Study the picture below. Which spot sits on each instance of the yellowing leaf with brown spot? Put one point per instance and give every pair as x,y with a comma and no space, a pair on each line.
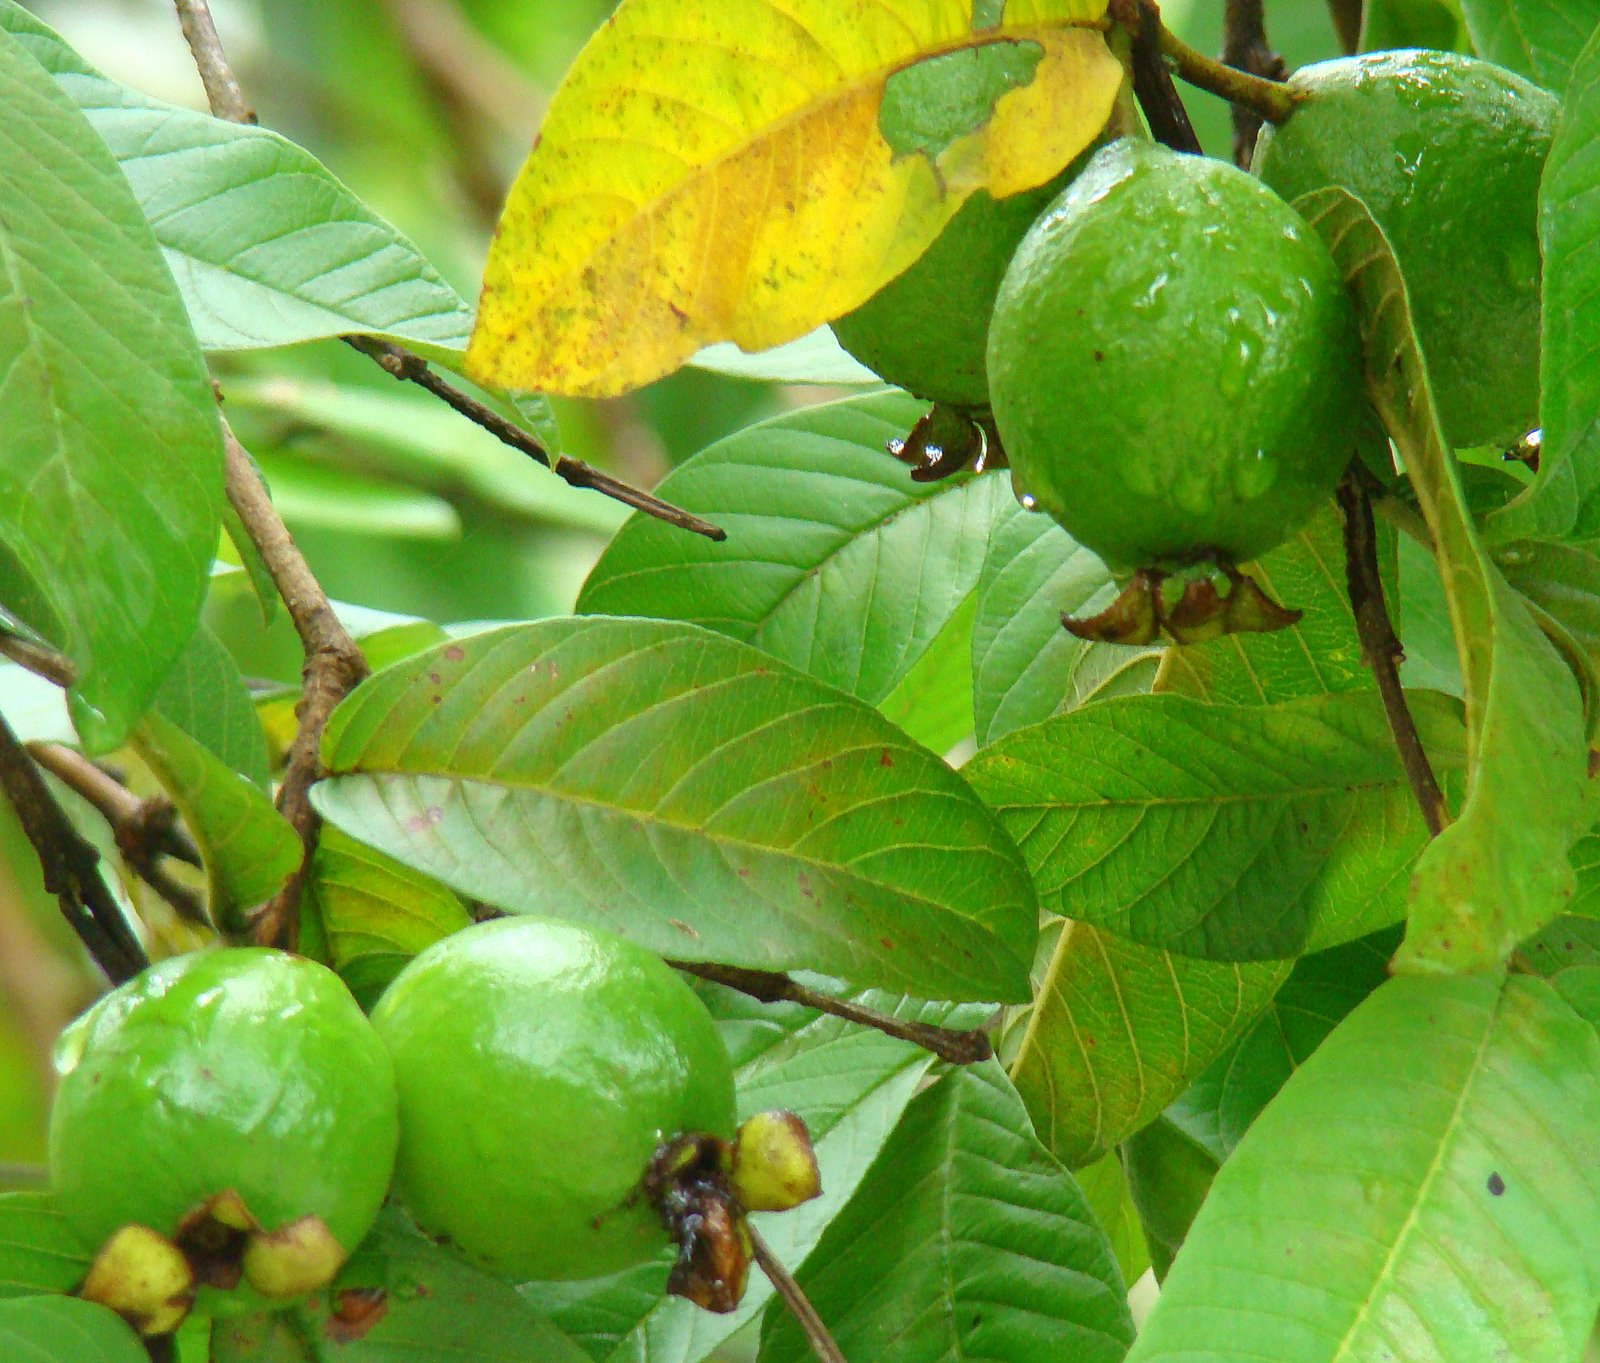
714,170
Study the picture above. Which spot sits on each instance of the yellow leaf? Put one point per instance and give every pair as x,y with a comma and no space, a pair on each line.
714,170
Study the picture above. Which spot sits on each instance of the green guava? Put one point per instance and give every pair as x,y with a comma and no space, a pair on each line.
926,329
239,1095
1446,152
1174,362
541,1065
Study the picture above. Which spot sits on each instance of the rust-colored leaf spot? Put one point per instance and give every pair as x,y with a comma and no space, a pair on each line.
886,758
455,653
355,1311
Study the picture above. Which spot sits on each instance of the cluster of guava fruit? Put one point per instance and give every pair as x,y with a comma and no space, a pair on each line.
1168,354
552,1101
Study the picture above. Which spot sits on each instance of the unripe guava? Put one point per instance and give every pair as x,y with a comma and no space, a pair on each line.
242,1089
1446,152
1174,362
927,329
541,1065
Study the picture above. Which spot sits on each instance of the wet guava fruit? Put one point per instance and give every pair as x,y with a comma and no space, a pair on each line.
236,1103
541,1066
1174,362
927,329
1446,152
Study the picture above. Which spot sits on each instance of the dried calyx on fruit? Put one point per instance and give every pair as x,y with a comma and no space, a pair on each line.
1174,370
567,1109
222,1135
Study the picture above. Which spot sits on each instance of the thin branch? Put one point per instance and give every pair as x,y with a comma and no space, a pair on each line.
1245,48
400,363
40,659
334,666
1382,649
1347,18
216,72
70,864
1152,81
144,829
958,1047
795,1299
1273,100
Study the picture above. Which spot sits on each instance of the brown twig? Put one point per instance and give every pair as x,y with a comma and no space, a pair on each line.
333,667
70,864
795,1299
958,1047
1273,100
1347,18
1382,649
40,659
216,72
145,830
1245,48
401,364
1152,81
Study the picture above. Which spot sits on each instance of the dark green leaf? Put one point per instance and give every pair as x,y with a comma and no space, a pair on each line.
206,696
38,1253
1495,875
65,1330
1169,1174
1106,1189
1426,1188
110,452
1250,832
1010,1264
1539,39
689,791
1560,584
1567,954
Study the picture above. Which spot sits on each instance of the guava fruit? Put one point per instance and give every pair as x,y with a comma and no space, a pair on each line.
541,1067
1446,152
235,1104
926,330
1174,363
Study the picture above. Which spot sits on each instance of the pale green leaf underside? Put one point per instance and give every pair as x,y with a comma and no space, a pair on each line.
689,791
65,1330
1426,1189
1009,1266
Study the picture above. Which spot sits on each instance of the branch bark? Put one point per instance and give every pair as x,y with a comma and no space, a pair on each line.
1273,100
1245,48
1347,16
1152,81
795,1299
957,1047
1382,650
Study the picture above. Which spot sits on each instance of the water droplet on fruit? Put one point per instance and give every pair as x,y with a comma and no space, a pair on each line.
1193,494
1253,476
1139,477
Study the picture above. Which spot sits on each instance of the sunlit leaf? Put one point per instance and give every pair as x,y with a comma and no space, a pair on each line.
1493,876
815,357
718,170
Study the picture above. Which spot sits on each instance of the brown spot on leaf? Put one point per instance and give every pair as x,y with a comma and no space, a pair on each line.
455,653
886,758
435,678
683,927
355,1311
1497,1185
887,943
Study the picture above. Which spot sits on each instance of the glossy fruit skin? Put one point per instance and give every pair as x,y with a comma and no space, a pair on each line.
1174,362
1446,151
927,329
244,1069
540,1065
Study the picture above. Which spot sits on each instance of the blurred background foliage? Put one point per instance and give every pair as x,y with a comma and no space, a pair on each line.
425,108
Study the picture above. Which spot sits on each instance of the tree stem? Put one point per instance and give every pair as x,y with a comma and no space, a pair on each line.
959,1047
1245,48
1347,17
1152,81
1382,649
799,1304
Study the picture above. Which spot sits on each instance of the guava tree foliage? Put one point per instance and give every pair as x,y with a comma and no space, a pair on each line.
1122,778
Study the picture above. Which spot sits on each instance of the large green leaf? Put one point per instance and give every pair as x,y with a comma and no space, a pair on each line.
1426,1189
206,696
1539,39
1560,584
1105,1186
1567,954
1240,832
110,450
38,1253
65,1330
1118,1030
1010,1263
836,561
267,246
1495,875
848,1083
689,791
1169,1173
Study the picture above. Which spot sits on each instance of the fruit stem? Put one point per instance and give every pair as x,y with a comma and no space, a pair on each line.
958,1047
799,1304
1382,649
1272,99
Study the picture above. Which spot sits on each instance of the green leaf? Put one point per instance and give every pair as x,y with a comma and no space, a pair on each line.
1321,991
65,1330
38,1253
689,791
206,696
375,913
1425,1189
1010,1263
267,246
1169,1174
1494,875
1106,1188
110,453
1118,1030
1560,584
850,1084
933,701
1567,954
1390,24
1539,39
1249,832
815,358
835,562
